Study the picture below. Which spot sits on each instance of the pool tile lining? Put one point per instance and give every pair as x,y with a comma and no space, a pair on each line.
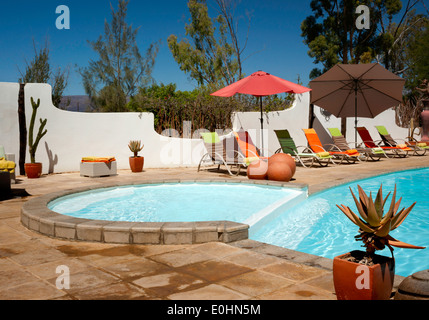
36,216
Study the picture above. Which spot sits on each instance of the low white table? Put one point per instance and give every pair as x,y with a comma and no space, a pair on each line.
98,169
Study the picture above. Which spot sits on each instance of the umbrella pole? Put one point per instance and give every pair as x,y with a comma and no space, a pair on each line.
262,127
356,120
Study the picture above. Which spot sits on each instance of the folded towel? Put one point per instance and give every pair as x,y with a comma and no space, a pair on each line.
8,166
323,154
402,146
249,160
97,159
421,145
352,151
377,150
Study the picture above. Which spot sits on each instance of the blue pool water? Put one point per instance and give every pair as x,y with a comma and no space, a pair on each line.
181,202
316,226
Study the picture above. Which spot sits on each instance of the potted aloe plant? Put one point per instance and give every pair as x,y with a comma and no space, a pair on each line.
33,170
136,162
364,275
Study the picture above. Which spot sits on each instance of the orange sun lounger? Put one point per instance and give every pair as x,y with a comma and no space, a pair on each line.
315,144
247,147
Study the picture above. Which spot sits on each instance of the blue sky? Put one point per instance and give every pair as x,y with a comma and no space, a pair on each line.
275,44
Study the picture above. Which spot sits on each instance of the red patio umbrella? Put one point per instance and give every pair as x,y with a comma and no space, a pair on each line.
261,84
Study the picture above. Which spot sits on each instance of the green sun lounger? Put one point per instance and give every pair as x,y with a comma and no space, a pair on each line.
418,150
288,146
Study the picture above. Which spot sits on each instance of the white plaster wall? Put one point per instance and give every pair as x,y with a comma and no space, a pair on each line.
73,135
9,128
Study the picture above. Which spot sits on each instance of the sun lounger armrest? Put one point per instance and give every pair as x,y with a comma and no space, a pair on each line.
411,139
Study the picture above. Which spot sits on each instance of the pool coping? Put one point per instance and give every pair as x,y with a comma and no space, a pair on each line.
37,217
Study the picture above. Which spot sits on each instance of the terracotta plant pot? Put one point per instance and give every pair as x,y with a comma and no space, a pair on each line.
257,170
354,281
279,171
33,170
283,157
136,164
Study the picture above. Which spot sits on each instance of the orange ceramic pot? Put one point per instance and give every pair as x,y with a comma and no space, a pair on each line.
286,158
279,171
354,281
33,170
136,164
257,170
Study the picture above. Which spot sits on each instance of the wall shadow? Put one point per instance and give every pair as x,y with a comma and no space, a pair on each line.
53,160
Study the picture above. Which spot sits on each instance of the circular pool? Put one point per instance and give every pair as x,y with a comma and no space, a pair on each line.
161,212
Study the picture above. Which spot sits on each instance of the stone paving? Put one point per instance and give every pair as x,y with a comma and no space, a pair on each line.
243,270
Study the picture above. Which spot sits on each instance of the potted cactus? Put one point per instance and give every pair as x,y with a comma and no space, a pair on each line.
364,275
33,170
136,162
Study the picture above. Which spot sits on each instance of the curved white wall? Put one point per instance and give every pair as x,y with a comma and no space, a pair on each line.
73,135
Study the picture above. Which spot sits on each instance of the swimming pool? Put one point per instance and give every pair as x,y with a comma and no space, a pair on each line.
180,202
316,226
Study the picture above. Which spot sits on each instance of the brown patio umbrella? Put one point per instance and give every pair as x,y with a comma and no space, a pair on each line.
357,90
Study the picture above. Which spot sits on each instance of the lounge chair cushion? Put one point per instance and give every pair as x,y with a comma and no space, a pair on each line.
246,144
8,166
382,130
377,150
97,159
323,154
210,137
335,132
286,142
248,161
352,152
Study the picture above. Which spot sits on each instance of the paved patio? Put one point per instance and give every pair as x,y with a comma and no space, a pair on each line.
242,270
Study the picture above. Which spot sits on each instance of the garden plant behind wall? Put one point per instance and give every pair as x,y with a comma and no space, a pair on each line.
172,108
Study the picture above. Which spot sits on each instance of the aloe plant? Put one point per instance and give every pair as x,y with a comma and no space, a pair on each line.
374,224
135,147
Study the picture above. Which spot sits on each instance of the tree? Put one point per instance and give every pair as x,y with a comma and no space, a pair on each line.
39,70
332,36
212,53
121,69
395,36
417,52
